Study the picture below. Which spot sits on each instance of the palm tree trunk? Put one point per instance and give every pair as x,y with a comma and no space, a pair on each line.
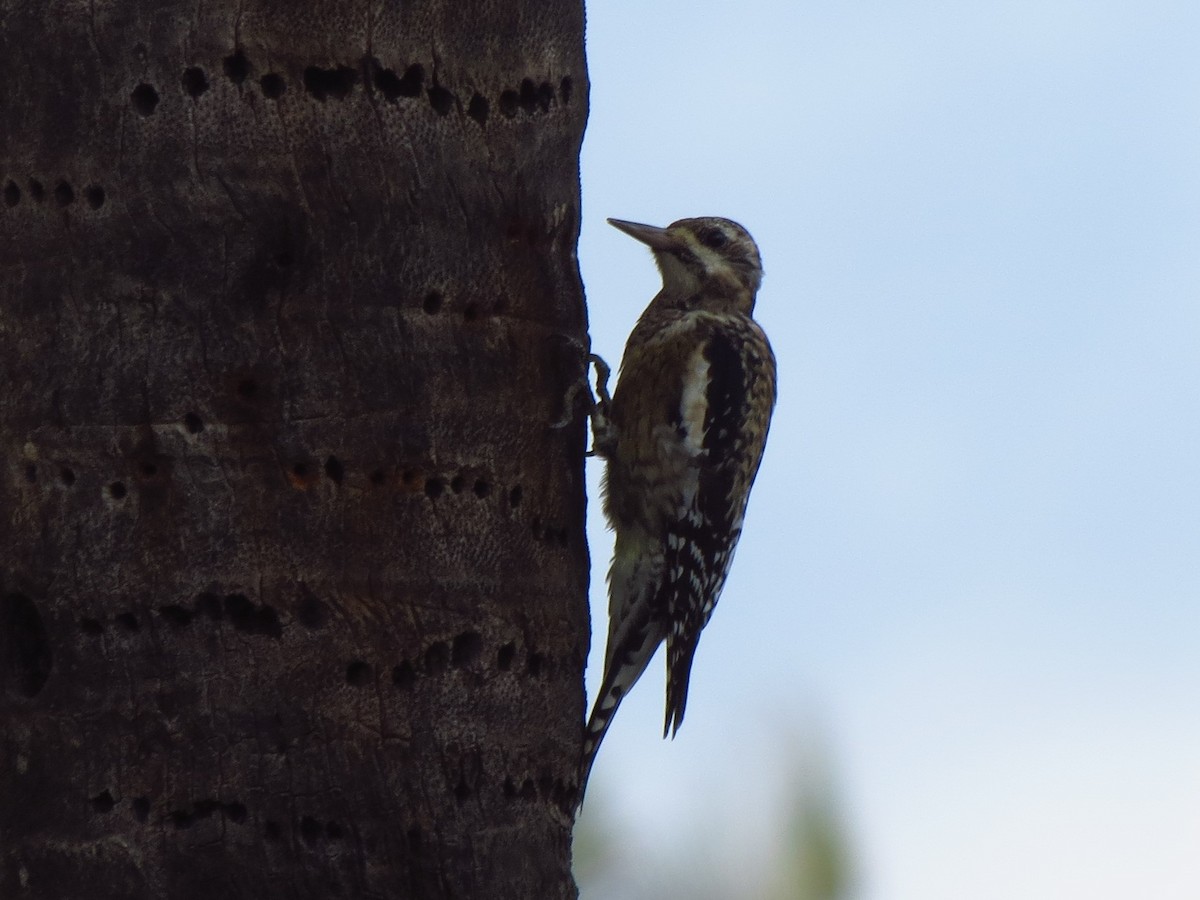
292,565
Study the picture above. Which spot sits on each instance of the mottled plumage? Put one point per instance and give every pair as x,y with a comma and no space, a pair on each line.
682,437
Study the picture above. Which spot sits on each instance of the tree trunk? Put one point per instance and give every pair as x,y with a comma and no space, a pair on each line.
292,565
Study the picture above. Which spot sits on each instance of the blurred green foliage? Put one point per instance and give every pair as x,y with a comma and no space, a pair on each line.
806,854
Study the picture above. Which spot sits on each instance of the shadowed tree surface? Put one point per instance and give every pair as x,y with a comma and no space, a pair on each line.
292,569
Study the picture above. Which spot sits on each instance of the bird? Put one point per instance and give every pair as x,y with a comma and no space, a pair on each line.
682,437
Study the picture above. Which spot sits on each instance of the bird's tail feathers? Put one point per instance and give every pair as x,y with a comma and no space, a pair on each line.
681,649
624,669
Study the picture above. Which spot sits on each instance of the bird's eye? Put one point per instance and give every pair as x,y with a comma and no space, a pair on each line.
714,238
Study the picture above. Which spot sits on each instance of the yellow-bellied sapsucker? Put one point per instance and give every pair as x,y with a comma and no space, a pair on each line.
682,435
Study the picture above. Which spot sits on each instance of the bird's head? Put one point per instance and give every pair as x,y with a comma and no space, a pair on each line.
709,260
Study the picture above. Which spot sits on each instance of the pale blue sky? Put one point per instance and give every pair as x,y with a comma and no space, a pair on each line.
971,563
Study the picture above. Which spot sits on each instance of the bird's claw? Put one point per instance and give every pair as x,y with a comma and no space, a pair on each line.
598,405
603,433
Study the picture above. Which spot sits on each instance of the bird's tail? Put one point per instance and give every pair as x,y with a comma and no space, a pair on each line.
624,669
681,649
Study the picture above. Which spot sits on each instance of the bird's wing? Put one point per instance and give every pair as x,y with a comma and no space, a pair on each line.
734,391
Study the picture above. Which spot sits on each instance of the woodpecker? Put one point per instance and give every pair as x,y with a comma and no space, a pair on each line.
682,437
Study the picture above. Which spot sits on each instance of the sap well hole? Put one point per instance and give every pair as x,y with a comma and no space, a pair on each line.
334,470
144,98
477,109
441,100
250,618
358,673
462,793
25,656
432,303
94,195
12,194
102,802
128,622
388,83
272,85
410,84
117,490
466,648
193,423
336,83
236,66
529,98
194,81
505,656
64,194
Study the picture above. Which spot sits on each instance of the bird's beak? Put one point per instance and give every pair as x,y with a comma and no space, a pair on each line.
651,235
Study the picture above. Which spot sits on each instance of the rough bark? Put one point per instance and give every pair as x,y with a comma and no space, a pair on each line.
292,564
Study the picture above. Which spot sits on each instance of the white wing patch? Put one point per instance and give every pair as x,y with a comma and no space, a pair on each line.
693,404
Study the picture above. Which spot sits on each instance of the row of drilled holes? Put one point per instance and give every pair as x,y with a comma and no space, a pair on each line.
310,828
117,490
262,619
465,650
64,193
251,618
338,82
243,614
553,789
235,811
471,312
302,475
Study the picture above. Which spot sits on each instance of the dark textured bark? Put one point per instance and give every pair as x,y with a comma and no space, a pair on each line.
292,566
